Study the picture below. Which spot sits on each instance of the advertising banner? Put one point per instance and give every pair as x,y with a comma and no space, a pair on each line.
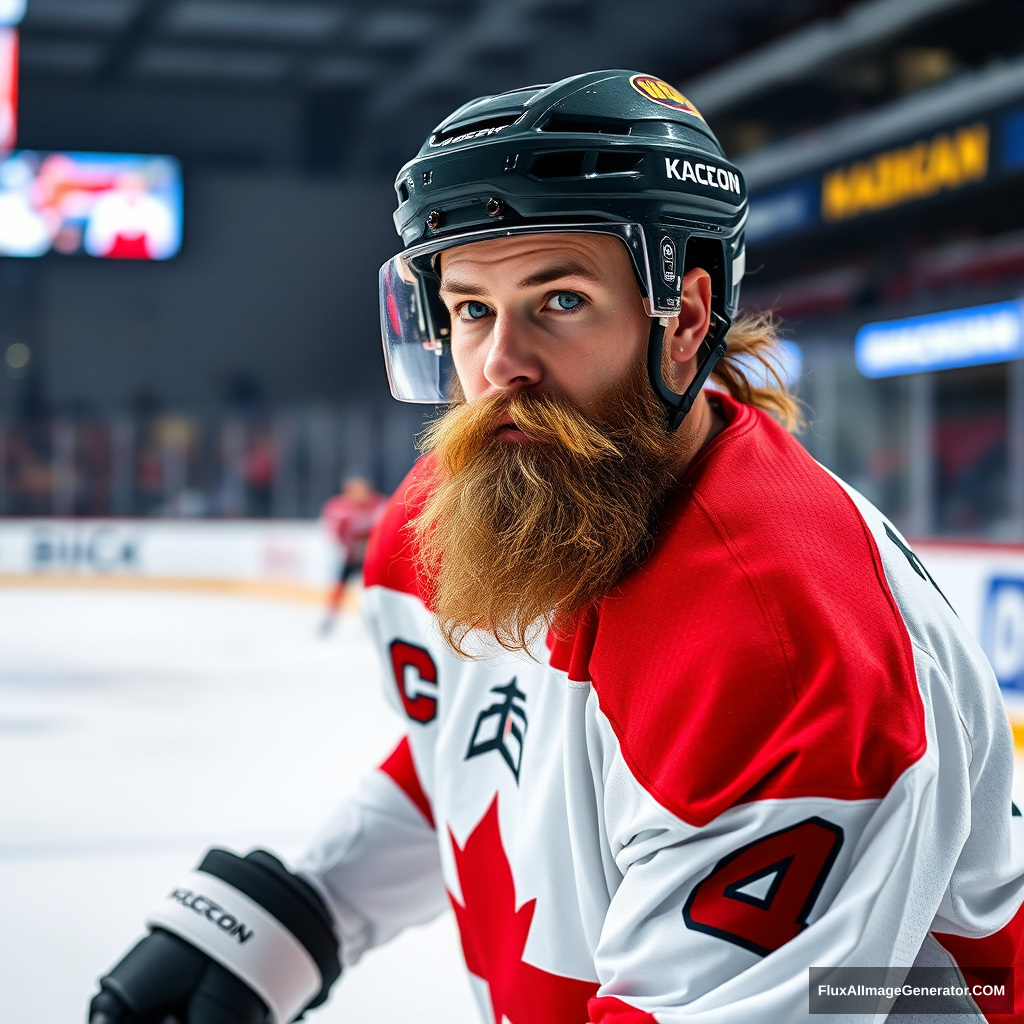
972,336
985,585
921,168
289,558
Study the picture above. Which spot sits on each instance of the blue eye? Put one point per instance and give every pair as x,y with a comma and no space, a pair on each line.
568,300
476,310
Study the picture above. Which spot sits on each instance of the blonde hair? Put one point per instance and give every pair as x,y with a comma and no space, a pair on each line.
755,351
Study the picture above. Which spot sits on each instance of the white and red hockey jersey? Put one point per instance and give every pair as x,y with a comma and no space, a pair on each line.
773,746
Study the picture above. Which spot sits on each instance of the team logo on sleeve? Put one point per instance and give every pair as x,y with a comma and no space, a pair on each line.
502,727
661,92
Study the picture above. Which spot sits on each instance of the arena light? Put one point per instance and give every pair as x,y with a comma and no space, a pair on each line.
11,11
942,341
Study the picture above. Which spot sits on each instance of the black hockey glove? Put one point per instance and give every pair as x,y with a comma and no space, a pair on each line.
241,941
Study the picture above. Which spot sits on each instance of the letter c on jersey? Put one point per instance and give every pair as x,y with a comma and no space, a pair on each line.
760,896
416,679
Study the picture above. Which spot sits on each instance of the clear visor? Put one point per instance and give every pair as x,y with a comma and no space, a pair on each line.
414,322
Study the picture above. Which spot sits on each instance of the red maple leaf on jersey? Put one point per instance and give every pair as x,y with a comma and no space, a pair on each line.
494,936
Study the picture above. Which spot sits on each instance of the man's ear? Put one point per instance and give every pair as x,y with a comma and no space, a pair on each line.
686,331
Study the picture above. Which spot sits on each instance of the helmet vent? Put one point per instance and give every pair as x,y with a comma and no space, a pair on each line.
558,165
574,163
617,162
581,125
457,131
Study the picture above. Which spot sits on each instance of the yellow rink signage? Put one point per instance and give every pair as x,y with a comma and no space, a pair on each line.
946,161
941,161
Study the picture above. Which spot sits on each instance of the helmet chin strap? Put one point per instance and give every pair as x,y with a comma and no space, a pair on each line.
712,348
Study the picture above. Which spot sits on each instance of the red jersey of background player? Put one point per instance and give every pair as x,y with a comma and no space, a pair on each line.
351,516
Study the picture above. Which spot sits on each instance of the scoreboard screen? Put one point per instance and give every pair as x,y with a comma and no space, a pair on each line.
109,205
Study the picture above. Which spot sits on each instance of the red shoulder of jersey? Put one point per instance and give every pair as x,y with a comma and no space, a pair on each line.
390,555
758,653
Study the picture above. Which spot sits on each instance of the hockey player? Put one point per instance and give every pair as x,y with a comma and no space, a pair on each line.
686,716
350,517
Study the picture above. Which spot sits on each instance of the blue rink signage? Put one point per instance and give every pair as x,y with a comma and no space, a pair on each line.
985,584
972,336
1003,630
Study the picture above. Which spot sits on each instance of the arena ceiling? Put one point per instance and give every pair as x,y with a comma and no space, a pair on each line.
349,82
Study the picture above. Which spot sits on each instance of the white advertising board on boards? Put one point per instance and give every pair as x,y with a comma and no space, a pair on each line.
279,554
985,585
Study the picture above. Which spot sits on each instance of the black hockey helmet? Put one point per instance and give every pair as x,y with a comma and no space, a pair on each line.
612,152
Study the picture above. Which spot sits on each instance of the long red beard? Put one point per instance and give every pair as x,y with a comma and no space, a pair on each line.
513,533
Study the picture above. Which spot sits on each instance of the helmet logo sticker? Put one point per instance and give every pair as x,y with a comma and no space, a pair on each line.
661,92
668,260
703,174
479,134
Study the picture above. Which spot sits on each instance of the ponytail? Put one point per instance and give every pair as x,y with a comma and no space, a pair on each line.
751,370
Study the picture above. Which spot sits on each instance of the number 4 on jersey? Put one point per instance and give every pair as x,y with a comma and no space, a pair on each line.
760,896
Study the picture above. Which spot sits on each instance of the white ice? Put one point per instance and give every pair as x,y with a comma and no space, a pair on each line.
139,728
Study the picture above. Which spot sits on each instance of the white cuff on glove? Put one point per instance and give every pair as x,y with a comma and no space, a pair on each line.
239,934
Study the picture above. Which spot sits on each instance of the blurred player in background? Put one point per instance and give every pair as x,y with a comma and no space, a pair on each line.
350,516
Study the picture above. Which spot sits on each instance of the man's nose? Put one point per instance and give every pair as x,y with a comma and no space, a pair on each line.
512,362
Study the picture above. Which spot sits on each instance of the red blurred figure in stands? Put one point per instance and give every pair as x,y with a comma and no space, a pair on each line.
350,516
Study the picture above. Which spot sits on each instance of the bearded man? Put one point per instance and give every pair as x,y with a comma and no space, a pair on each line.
686,717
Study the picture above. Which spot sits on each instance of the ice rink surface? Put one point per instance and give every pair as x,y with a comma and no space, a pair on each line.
139,728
